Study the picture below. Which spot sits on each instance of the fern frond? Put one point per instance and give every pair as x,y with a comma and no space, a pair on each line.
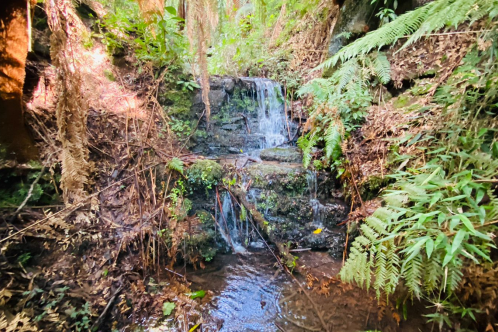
432,273
382,68
417,23
392,268
369,233
376,224
380,269
383,214
333,141
176,164
306,145
412,274
454,276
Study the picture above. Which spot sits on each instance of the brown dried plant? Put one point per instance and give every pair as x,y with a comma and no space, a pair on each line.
71,108
202,19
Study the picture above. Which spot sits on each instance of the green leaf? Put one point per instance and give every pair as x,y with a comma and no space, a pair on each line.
454,198
415,249
176,164
171,10
478,251
467,223
198,294
447,258
440,238
168,308
457,240
441,218
430,177
437,196
429,247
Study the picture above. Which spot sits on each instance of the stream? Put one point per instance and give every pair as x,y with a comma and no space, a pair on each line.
247,290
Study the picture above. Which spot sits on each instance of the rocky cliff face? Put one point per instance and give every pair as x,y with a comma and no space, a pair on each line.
243,117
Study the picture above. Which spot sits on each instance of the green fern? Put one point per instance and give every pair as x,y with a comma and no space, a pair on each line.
417,23
176,164
333,142
306,144
382,68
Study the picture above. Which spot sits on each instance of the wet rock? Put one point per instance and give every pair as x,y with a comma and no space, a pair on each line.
230,127
229,84
216,97
235,101
286,155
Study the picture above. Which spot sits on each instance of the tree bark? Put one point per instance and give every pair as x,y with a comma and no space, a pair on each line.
14,136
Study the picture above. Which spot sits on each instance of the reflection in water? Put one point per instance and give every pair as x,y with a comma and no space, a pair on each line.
251,294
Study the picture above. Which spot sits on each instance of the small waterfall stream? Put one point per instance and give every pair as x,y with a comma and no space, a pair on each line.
272,128
271,112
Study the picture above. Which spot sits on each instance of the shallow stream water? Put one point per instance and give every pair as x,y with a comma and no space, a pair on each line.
247,291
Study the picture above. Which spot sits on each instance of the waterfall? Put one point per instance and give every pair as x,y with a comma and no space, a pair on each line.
271,112
231,228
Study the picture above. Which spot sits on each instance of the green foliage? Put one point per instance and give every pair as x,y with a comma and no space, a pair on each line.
14,188
417,23
176,164
157,41
340,102
168,308
333,142
306,143
204,174
440,213
82,317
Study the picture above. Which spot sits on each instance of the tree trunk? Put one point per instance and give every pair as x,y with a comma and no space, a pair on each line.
14,136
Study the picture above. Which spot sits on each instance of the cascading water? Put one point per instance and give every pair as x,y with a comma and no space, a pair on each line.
272,128
271,112
233,230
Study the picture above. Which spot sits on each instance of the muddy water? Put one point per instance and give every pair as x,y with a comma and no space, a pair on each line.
248,292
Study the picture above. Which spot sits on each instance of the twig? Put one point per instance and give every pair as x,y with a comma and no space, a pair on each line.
193,131
76,206
99,321
175,273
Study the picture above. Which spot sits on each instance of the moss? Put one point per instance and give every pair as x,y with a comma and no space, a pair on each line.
179,104
401,101
204,173
419,90
202,244
371,188
109,75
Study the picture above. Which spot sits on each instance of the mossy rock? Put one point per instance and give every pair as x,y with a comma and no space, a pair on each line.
285,155
283,179
401,101
205,173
